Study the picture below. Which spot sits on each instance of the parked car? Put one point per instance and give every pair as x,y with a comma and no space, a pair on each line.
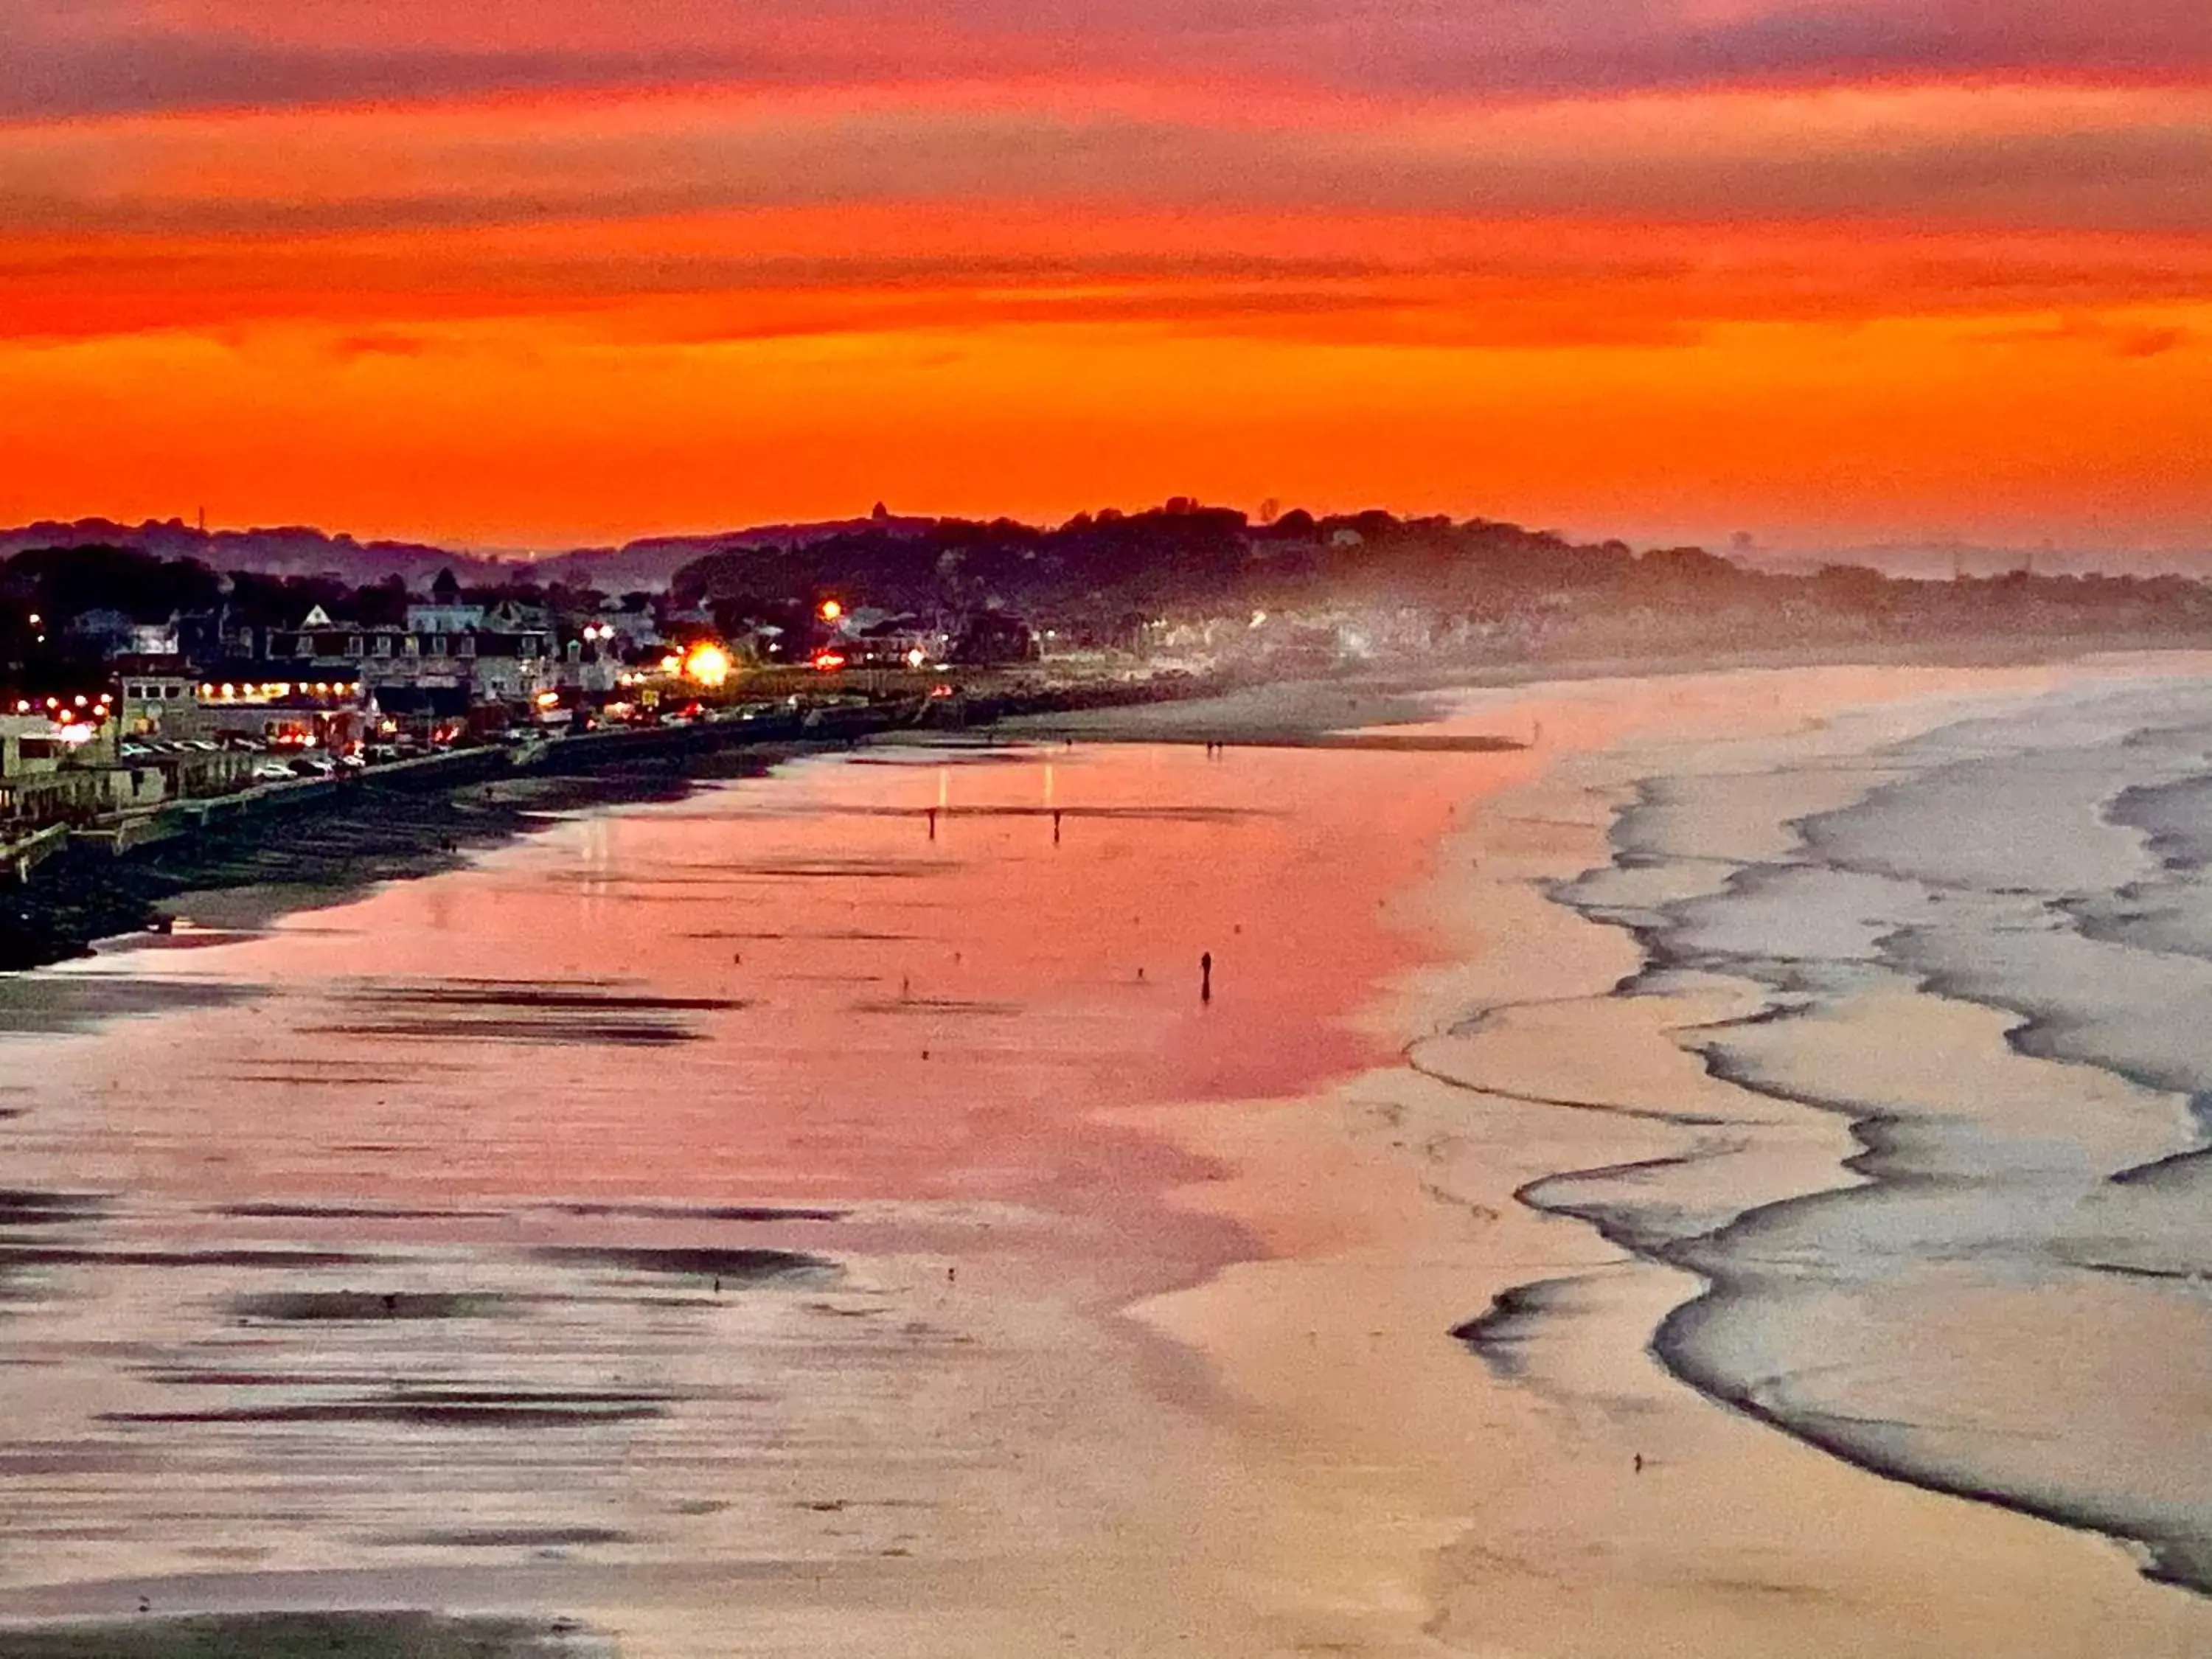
273,772
314,766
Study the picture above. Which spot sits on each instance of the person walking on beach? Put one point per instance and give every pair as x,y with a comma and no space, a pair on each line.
1205,975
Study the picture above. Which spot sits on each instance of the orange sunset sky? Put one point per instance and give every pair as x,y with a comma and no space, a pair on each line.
533,272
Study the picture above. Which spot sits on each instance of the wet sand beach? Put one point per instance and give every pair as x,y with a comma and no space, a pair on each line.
693,1219
1571,1496
819,1215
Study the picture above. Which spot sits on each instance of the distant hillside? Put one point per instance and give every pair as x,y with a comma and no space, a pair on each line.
653,561
286,551
303,550
1367,583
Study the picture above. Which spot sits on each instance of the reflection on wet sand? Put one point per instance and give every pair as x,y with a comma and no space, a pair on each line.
501,1240
1243,1231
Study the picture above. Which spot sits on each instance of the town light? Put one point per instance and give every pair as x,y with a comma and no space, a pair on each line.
831,610
829,661
709,665
915,658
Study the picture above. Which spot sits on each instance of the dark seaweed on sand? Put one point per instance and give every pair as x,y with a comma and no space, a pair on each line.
307,1307
294,1636
443,1407
23,1207
733,1267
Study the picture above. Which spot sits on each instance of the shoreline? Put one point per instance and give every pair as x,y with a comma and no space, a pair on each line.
1391,1487
1876,1164
1727,1532
111,895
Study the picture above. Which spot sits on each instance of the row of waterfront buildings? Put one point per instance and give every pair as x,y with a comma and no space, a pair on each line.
206,705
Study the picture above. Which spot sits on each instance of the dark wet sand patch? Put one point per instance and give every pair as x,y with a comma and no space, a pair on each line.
702,1213
445,1408
934,1005
47,1460
273,1211
575,1033
526,1012
294,1636
554,1012
306,1307
839,936
1015,754
60,1003
497,1538
24,1207
321,1081
60,1255
77,1535
732,1266
188,1378
589,996
831,869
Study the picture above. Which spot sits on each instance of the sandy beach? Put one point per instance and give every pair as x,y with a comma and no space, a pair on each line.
786,1220
1569,1495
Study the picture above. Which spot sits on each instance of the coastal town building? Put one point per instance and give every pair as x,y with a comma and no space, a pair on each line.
60,764
240,701
503,653
156,696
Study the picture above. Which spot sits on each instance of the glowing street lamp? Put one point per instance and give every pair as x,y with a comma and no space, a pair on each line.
709,665
831,610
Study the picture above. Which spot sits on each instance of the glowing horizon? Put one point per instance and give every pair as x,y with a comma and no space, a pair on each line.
540,277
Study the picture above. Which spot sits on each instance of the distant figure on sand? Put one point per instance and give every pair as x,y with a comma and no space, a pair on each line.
1206,976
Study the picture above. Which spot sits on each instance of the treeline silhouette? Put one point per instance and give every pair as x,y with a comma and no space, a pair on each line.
1110,577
